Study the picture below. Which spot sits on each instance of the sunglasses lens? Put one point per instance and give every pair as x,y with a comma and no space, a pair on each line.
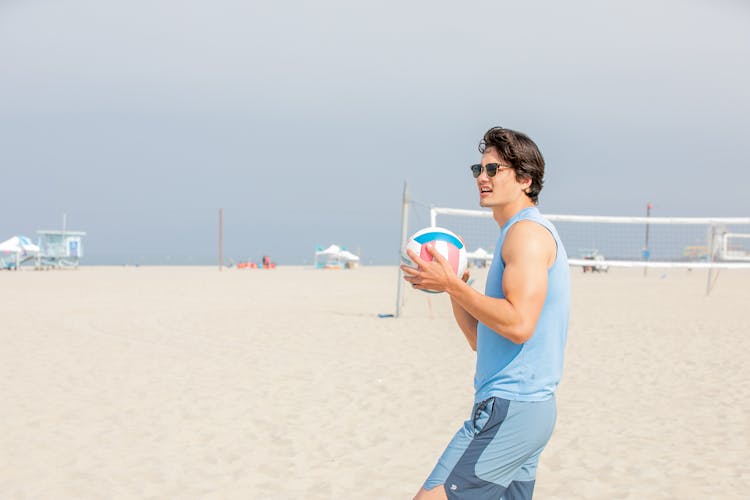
491,169
476,170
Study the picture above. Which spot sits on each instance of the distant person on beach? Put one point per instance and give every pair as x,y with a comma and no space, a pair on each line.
518,329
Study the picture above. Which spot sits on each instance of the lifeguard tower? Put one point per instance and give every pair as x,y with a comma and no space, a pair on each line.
60,248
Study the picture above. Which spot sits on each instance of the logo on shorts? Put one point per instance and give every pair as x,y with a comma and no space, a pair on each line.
454,487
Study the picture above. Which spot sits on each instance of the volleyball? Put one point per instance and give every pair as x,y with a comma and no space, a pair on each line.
444,241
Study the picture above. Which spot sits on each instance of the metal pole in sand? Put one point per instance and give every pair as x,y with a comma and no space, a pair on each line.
711,250
220,237
62,237
404,228
646,251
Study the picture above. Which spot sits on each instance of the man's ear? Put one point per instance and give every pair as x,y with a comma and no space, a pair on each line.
526,183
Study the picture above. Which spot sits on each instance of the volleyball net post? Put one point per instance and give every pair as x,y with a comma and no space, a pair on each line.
404,229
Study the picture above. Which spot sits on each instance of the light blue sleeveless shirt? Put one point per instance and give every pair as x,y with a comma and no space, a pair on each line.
530,371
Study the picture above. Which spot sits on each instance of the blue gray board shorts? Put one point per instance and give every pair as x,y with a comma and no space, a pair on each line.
495,454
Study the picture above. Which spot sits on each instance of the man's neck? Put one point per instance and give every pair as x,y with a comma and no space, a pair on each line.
503,214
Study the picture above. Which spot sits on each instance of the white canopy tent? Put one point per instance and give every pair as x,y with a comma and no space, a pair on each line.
17,250
350,260
328,258
479,257
334,257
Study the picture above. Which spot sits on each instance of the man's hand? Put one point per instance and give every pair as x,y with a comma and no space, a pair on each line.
436,275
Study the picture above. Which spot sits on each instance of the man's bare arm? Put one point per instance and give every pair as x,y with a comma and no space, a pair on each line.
528,252
466,322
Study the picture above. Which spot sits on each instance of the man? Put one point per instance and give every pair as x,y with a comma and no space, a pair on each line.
518,329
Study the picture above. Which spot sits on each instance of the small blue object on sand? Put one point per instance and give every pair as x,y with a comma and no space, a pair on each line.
384,315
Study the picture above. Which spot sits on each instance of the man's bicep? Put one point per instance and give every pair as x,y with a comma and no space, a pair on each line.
525,285
527,257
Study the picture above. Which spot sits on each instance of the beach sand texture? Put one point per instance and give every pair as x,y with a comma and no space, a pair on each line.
184,382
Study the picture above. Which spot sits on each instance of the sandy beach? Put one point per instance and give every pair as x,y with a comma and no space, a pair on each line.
186,382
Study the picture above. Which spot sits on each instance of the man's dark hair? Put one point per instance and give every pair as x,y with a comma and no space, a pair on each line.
521,153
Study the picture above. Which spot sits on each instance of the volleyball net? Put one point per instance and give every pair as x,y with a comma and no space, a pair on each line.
689,242
595,243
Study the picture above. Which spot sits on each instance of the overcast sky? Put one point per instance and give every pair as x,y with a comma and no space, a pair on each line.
302,120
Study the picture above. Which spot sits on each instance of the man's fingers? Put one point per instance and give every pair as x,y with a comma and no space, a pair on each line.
409,271
414,279
436,255
414,257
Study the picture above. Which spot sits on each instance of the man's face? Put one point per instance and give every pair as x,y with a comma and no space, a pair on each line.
501,189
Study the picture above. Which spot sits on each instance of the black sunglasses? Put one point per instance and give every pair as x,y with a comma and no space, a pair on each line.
492,169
